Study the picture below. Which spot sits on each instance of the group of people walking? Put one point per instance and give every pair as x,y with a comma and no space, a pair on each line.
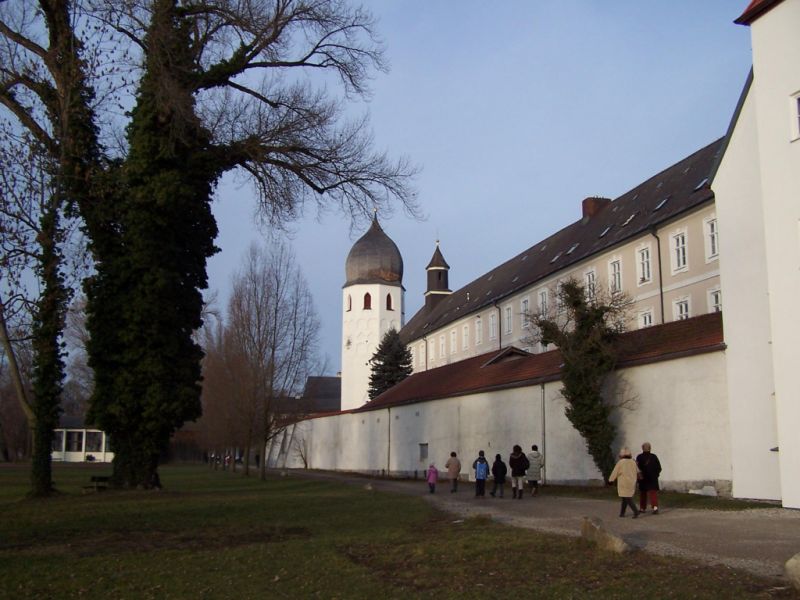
523,468
644,472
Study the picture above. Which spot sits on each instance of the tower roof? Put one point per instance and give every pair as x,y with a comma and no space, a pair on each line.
374,258
437,261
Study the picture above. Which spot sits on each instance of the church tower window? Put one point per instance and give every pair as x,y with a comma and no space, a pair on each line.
389,302
367,301
349,303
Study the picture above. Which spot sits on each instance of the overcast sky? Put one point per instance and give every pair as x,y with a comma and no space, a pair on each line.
515,111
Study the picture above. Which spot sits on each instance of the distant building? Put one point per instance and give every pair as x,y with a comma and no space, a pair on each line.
74,441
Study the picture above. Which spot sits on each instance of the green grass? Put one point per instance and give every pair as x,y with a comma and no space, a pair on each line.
211,534
670,499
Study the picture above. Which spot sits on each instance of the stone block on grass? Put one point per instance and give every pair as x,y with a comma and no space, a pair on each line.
592,529
792,569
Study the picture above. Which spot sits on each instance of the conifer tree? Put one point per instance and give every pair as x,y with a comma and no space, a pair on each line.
391,363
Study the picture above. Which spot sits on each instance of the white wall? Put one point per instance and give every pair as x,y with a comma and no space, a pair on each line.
776,55
743,278
681,409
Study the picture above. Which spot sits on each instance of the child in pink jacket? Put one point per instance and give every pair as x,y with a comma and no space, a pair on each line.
432,478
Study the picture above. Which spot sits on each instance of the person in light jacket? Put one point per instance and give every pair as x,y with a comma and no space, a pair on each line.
625,473
535,464
453,466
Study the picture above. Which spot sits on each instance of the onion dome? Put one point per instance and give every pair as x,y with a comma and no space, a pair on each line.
374,258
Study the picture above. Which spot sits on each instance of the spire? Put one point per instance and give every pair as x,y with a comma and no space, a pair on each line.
437,279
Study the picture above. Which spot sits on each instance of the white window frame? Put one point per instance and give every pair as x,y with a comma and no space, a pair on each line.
432,349
478,331
493,326
678,314
794,116
525,311
615,275
453,340
465,336
442,346
679,251
508,319
711,235
590,283
644,265
543,300
413,352
714,297
645,318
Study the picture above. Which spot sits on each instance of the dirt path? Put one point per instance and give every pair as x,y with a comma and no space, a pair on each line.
758,540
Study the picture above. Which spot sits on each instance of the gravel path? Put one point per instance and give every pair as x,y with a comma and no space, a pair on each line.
757,540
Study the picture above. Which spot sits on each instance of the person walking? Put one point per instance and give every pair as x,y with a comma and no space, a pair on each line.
453,466
499,471
481,468
519,464
625,473
432,477
535,464
650,467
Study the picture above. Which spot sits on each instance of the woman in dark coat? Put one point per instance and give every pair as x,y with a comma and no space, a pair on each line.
650,468
499,471
519,464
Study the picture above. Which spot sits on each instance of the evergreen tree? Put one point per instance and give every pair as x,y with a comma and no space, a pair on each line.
585,337
391,363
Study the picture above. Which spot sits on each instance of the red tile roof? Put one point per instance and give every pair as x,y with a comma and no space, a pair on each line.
483,373
755,10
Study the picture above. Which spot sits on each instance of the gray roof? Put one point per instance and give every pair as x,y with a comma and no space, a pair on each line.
665,196
322,394
374,258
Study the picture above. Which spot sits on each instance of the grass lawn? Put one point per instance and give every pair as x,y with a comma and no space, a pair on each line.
211,534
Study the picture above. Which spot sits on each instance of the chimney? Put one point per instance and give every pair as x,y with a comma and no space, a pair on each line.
593,205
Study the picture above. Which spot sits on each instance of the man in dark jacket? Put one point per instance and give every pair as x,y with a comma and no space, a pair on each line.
650,468
499,471
519,464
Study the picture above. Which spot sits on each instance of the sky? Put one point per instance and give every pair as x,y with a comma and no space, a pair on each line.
515,112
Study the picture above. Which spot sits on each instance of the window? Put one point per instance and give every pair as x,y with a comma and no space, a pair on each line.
349,303
453,342
465,337
74,441
423,451
680,309
643,273
492,326
712,239
389,302
560,297
58,441
442,349
525,309
367,301
432,347
413,358
508,319
714,300
94,441
679,255
615,275
590,283
645,318
478,331
795,116
542,302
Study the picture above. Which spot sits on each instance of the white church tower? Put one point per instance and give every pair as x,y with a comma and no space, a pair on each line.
373,302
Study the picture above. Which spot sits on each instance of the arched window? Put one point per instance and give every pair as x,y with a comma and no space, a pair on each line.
389,302
367,301
349,306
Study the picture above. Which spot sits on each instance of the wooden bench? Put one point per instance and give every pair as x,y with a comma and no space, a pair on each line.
98,483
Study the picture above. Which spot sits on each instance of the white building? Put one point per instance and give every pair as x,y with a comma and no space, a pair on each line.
719,410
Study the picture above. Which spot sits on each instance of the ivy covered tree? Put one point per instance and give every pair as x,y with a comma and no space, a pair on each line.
215,87
391,363
585,327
